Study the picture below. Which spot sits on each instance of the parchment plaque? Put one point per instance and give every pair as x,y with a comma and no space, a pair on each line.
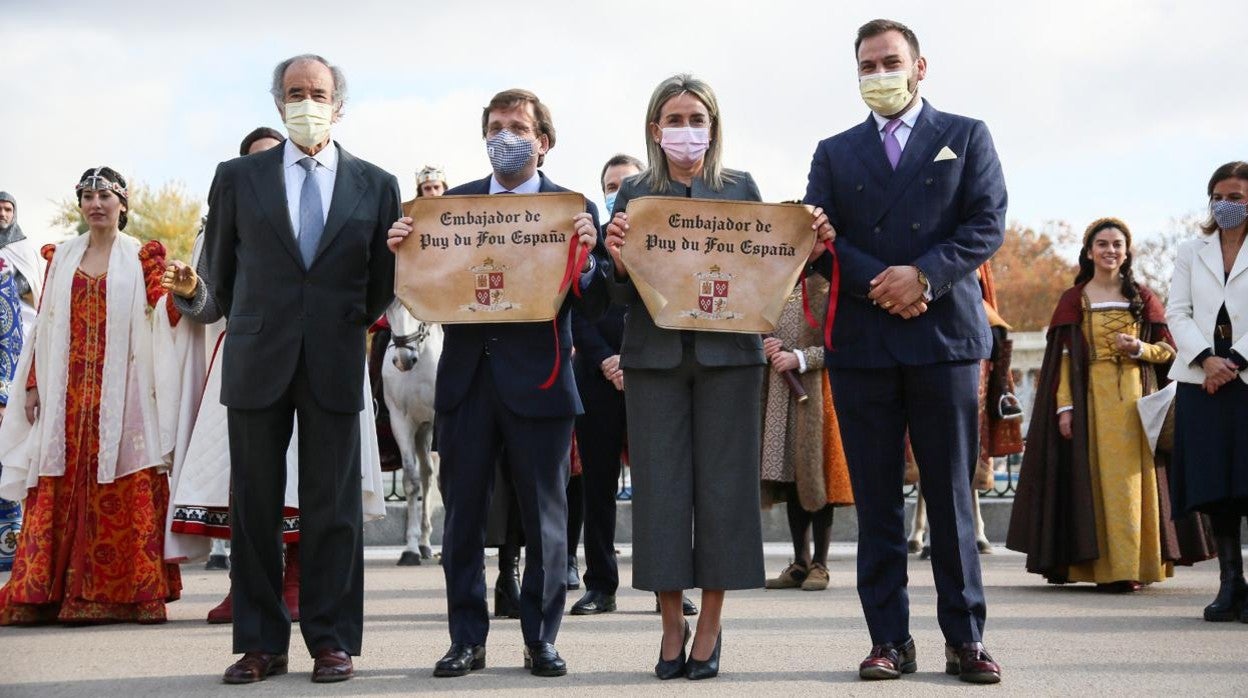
722,266
498,258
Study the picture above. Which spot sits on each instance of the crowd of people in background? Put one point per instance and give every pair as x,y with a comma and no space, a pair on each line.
152,404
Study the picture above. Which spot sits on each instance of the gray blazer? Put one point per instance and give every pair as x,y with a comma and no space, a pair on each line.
647,345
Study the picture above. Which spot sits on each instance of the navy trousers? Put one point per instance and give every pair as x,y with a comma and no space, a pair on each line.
937,403
470,439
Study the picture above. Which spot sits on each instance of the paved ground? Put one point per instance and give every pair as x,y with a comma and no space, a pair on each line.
1050,641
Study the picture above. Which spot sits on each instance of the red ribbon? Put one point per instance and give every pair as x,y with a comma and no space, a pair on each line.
576,261
834,292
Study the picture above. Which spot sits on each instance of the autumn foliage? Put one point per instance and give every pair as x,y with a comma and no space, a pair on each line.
1031,270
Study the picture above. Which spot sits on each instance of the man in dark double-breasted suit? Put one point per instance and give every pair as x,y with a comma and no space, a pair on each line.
494,391
918,201
296,260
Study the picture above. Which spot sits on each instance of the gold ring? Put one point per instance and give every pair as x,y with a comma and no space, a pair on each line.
888,304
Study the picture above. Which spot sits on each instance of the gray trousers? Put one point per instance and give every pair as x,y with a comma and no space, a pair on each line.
693,443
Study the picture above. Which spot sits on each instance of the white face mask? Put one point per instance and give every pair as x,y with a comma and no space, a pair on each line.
886,93
308,122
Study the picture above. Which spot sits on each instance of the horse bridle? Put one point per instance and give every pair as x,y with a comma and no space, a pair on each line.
413,341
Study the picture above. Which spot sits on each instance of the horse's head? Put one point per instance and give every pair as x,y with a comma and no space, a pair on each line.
407,347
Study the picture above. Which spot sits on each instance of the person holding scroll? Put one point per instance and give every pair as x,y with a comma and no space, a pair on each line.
803,463
495,390
692,405
918,200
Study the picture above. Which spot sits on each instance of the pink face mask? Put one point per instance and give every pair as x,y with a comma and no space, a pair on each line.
685,146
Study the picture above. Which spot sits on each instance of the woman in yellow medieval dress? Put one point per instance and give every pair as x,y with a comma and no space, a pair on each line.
1089,508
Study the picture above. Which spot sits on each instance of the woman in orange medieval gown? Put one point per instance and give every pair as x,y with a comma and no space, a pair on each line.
91,455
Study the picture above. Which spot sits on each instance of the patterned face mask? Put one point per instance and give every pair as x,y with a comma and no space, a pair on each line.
508,152
1229,215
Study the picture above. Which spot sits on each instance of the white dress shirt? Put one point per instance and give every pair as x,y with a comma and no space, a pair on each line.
907,123
326,173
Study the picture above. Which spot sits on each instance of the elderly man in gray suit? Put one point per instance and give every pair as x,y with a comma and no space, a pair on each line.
296,260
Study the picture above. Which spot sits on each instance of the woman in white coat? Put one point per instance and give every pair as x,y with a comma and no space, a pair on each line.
1208,316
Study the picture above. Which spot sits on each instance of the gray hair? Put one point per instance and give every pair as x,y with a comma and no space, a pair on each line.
279,75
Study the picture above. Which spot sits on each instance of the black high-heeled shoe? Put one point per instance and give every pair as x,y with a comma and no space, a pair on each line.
709,669
671,668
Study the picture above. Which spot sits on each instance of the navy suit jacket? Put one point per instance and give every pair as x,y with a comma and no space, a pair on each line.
946,217
522,354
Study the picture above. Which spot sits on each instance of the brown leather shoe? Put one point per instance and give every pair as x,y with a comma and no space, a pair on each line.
971,663
889,661
255,666
331,665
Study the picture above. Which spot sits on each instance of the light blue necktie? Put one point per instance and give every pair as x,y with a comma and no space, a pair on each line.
311,213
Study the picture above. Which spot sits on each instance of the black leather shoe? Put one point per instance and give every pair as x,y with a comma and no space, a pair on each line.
971,663
460,659
593,603
708,669
541,659
889,661
574,573
671,668
687,607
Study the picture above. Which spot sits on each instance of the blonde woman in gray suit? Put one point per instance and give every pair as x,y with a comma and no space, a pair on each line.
692,402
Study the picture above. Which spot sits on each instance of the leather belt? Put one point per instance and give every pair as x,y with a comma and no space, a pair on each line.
1222,332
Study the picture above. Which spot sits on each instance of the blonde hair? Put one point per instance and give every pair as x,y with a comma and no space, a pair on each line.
656,175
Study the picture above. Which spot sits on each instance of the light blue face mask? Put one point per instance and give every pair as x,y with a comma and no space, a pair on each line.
1229,215
609,199
508,152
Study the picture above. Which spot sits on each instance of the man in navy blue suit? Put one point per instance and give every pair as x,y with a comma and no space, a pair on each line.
489,396
918,201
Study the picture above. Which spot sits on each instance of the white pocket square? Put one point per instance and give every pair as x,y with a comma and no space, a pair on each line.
945,154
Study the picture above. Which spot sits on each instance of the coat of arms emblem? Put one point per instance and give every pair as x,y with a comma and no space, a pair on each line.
489,282
713,288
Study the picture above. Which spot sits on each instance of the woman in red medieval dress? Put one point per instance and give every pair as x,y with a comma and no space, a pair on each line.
91,457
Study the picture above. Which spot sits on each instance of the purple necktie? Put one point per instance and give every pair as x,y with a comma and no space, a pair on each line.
892,146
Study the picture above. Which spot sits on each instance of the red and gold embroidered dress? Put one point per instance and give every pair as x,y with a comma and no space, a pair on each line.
93,552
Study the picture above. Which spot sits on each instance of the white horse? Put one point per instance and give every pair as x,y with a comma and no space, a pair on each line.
408,375
918,526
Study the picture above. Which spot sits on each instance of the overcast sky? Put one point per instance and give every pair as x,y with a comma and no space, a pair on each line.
1097,107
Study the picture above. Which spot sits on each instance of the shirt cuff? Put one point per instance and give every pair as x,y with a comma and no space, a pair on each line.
1200,358
587,277
1067,408
1240,362
801,361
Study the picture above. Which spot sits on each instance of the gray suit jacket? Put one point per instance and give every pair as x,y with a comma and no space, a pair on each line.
647,345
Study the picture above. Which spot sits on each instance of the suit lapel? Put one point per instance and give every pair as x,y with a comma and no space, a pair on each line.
1211,255
920,149
1241,259
349,188
269,184
870,150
